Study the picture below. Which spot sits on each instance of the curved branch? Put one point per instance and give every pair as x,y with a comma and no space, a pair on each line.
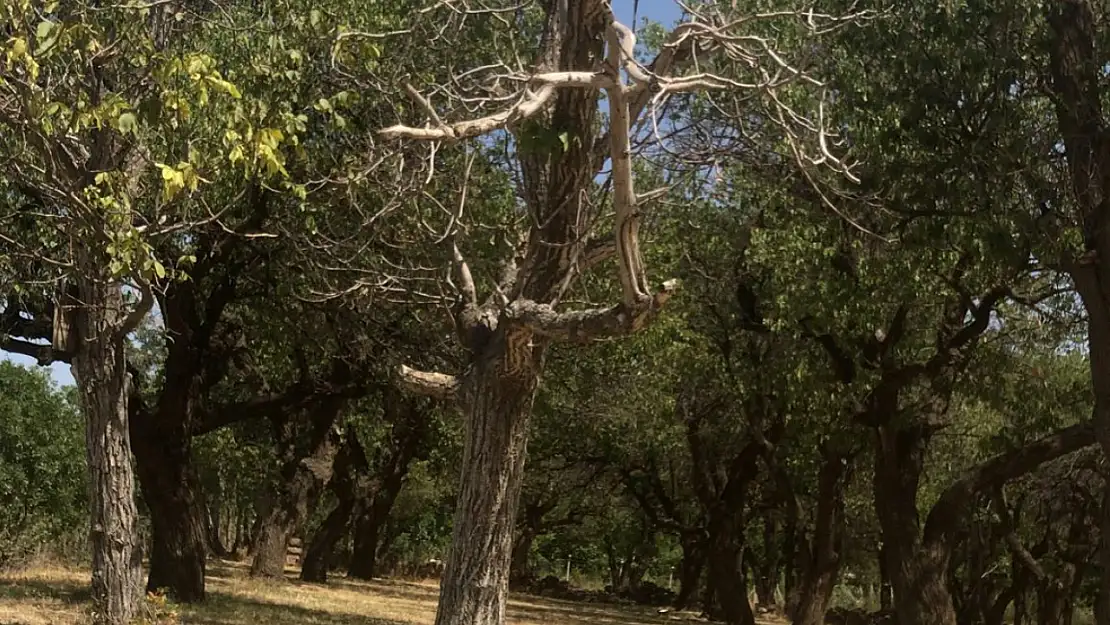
585,326
944,517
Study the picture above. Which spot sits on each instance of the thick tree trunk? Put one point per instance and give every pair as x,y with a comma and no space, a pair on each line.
917,571
370,526
170,486
1076,69
520,569
726,567
100,369
821,564
317,558
767,568
305,473
690,568
364,552
498,405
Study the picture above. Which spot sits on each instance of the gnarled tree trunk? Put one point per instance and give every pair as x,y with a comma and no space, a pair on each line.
690,569
821,560
306,469
1076,70
497,399
726,567
170,489
100,369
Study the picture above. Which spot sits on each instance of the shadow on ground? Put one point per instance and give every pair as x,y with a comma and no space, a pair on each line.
60,596
36,590
233,609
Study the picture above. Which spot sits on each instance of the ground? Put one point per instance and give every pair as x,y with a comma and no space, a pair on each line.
55,595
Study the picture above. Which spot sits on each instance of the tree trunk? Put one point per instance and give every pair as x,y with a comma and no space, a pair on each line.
498,394
821,564
170,486
364,552
726,567
100,370
917,571
1075,68
213,527
520,570
767,567
317,558
305,473
690,568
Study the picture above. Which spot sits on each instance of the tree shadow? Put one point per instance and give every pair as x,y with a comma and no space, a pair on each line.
546,610
30,590
228,609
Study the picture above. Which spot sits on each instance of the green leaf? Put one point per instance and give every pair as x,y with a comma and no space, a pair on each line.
159,270
127,123
44,29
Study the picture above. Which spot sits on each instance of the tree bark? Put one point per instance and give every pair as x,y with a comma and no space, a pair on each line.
520,568
690,568
100,370
304,474
726,567
821,561
497,397
364,552
917,572
170,486
317,558
1076,71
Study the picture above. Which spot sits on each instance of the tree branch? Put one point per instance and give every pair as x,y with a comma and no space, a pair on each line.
141,310
431,384
944,517
585,326
43,354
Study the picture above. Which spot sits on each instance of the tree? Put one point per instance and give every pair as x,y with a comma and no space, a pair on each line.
42,476
559,148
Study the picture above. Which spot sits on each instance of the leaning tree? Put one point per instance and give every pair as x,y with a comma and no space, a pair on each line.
550,119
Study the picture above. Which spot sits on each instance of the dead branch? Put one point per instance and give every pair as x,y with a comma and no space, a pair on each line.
430,384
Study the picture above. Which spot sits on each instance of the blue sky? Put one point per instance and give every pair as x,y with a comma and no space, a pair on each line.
666,12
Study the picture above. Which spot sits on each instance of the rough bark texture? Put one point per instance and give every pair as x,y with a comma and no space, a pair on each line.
170,486
100,369
917,571
690,569
306,470
498,404
367,536
1076,71
821,559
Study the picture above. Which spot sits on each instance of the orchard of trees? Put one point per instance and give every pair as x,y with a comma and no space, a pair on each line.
783,306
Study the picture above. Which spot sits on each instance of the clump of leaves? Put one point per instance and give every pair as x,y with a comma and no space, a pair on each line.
158,609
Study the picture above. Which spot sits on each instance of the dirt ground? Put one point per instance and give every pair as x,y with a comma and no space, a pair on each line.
54,595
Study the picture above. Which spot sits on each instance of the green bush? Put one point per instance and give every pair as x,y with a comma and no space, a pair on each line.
42,465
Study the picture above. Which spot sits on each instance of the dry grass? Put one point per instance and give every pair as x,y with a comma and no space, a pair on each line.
52,595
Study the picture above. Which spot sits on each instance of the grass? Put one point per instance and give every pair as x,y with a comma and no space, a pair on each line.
55,595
